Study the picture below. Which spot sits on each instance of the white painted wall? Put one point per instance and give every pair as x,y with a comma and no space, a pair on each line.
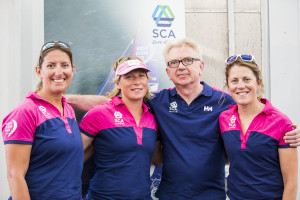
285,56
284,24
220,35
22,35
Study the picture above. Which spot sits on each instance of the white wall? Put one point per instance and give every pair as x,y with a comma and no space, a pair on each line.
22,34
208,23
284,24
285,56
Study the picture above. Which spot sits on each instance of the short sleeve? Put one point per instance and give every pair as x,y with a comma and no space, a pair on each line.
90,123
20,124
285,125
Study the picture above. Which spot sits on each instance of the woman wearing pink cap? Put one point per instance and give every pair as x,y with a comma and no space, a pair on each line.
123,133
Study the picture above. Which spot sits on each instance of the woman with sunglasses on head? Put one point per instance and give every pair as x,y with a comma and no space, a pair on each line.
262,165
124,133
43,144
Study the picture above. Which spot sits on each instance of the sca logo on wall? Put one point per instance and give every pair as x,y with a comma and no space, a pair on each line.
163,18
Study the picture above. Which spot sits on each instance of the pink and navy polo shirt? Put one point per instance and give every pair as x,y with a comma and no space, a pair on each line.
254,171
122,151
56,159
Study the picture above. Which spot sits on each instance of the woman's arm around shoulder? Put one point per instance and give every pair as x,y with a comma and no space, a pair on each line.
293,137
85,102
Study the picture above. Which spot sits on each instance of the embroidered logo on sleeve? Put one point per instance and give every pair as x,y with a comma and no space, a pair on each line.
44,111
118,118
10,127
173,107
232,122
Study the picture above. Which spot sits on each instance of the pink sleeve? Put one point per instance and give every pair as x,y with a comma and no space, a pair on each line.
225,122
222,122
19,125
284,125
90,123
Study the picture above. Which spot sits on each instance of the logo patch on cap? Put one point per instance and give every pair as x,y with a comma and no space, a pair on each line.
133,62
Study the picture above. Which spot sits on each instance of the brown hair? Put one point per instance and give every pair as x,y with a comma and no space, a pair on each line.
253,67
114,92
44,53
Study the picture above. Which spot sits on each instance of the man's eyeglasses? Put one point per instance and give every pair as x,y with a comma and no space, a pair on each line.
50,45
184,61
244,57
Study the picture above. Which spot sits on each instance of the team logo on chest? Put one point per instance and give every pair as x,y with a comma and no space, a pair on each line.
118,118
232,122
173,107
208,108
44,111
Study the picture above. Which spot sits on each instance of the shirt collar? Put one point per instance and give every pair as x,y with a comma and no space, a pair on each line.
118,102
207,90
267,109
268,106
34,95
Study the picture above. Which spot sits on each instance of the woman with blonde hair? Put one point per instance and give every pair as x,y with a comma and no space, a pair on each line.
123,133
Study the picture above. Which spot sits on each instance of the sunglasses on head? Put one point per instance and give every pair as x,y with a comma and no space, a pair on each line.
244,57
50,45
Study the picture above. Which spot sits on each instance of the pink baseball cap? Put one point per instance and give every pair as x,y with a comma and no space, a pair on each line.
130,65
